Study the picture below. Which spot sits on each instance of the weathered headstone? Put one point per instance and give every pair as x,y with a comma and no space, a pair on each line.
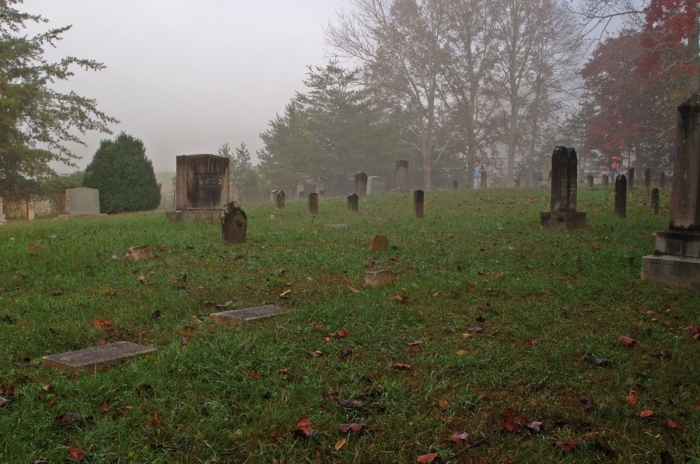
237,316
137,253
273,196
82,202
590,180
378,278
379,243
621,197
563,214
455,184
655,201
484,180
630,178
401,178
279,200
662,180
418,201
234,224
353,203
95,359
361,184
2,213
676,260
300,190
647,177
313,203
376,185
201,190
606,180
517,182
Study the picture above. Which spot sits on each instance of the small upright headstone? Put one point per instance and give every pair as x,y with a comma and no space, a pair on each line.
279,201
378,278
376,185
401,179
361,184
662,179
484,179
300,190
234,224
655,201
2,213
313,203
647,177
353,203
455,184
418,200
379,243
621,197
606,180
630,178
94,359
237,316
590,180
273,196
139,252
562,213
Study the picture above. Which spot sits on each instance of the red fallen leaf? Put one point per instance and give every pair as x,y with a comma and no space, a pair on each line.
341,334
255,375
420,341
510,425
645,414
68,418
400,298
353,426
185,341
99,323
627,340
47,387
427,457
631,259
471,288
459,436
512,421
401,366
305,426
100,342
353,289
76,453
632,398
104,408
581,357
672,424
567,445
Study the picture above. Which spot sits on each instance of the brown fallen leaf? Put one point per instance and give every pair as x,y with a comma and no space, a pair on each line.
632,398
185,341
155,421
340,334
645,414
69,418
340,443
306,428
672,424
567,445
629,342
471,288
316,354
353,426
353,289
76,453
255,375
532,341
99,323
427,457
104,408
401,366
400,298
443,403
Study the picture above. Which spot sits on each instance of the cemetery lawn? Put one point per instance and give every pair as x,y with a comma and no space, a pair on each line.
520,330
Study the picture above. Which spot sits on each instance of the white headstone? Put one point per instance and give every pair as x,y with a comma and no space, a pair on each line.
2,213
83,201
376,185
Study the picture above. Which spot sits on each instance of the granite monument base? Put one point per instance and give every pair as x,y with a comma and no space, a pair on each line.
211,216
681,243
557,220
674,271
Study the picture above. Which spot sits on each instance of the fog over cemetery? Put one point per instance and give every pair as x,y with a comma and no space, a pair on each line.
473,236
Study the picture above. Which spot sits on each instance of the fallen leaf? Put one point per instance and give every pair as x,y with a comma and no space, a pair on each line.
155,421
581,357
672,424
76,453
627,340
305,426
68,418
141,279
353,426
443,403
500,276
461,352
459,436
284,371
480,318
645,414
285,294
535,425
420,341
532,341
185,341
340,443
632,398
99,323
486,307
162,248
100,342
427,457
471,288
104,408
586,403
353,289
400,298
401,366
316,354
341,334
255,375
601,361
476,329
567,445
47,387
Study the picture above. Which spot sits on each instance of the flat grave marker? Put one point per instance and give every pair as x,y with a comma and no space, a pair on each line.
378,278
96,358
237,316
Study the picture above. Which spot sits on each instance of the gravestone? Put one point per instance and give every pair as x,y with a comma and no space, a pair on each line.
455,184
376,185
517,182
237,316
201,190
279,200
313,203
630,178
300,190
647,177
562,213
655,201
353,203
361,184
137,253
590,180
234,224
2,213
484,179
662,179
418,202
621,197
401,178
82,202
95,359
273,196
606,180
676,260
379,243
378,278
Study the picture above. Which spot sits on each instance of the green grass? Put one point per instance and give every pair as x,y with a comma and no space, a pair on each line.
575,292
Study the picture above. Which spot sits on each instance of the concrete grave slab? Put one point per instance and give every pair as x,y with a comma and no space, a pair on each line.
237,316
97,358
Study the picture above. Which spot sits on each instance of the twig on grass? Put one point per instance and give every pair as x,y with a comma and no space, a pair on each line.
473,445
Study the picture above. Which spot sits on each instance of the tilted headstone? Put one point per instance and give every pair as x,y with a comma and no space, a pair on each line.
353,203
655,201
379,243
630,178
313,203
662,180
563,214
606,180
82,201
2,213
647,177
95,359
234,224
418,201
621,197
590,180
484,180
279,200
676,260
361,184
237,316
401,180
201,190
455,184
376,185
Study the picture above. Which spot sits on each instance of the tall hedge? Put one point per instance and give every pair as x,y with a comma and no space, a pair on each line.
123,175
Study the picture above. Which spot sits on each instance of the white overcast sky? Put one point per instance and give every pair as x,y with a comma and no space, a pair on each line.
186,76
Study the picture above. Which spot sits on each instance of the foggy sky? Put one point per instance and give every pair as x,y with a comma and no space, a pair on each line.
186,76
